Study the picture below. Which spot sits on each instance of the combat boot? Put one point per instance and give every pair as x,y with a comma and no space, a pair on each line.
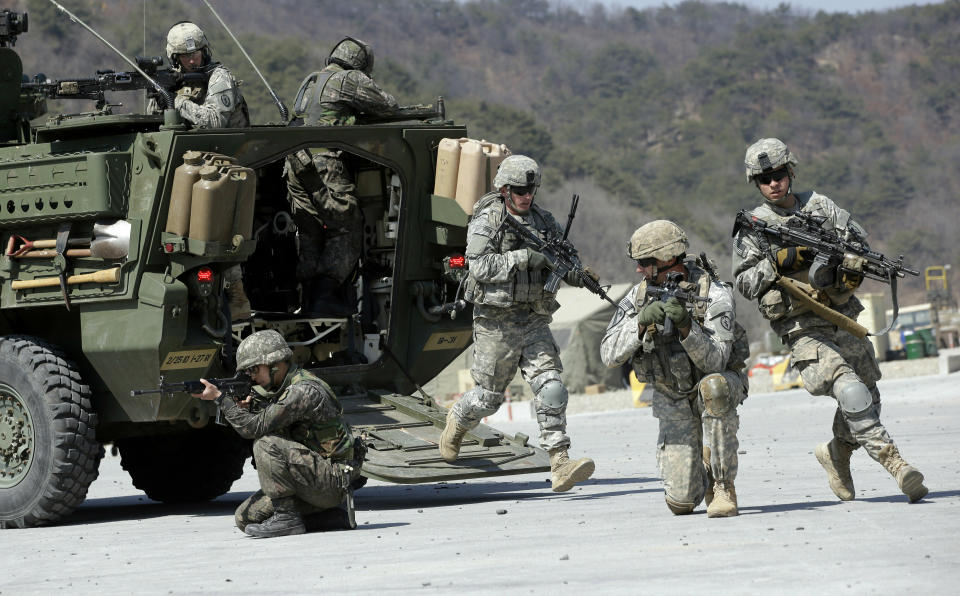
451,437
565,473
237,297
835,459
724,501
909,479
285,521
708,471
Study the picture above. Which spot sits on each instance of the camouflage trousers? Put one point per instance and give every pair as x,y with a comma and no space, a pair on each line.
505,339
329,220
827,360
686,427
298,476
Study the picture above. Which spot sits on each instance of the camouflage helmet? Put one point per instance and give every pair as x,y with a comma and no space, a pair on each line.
353,54
263,347
661,239
517,170
767,155
186,38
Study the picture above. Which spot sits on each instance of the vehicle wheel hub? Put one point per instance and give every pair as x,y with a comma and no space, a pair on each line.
16,438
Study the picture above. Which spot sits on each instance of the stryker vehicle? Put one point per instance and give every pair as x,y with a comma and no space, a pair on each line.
104,293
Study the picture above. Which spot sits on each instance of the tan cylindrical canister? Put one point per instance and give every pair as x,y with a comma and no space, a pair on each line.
214,205
471,175
448,162
495,155
181,192
246,197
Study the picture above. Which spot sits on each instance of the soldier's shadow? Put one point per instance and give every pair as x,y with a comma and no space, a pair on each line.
443,494
112,509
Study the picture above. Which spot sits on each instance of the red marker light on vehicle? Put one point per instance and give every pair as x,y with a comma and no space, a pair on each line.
457,261
205,275
168,247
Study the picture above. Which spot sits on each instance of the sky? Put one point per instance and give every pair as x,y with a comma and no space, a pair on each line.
851,6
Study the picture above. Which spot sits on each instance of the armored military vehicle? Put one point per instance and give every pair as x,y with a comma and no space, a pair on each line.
113,278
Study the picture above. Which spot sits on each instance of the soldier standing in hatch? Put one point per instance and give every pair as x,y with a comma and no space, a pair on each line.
697,371
216,104
831,360
321,187
305,454
511,319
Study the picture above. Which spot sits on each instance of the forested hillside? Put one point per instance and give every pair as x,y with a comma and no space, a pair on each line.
645,113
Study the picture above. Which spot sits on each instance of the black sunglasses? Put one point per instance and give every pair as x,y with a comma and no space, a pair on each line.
770,176
522,190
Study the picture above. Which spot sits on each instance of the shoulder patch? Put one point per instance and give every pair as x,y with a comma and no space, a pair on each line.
738,245
225,100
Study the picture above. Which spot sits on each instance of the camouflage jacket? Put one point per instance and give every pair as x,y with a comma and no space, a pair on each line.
713,344
498,258
346,95
218,104
756,273
303,409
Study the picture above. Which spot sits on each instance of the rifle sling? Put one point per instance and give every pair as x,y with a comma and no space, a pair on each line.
842,321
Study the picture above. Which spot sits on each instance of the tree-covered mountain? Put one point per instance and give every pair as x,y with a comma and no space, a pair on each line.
645,113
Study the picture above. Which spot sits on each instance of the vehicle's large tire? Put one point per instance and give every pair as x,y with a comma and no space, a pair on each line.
198,465
49,453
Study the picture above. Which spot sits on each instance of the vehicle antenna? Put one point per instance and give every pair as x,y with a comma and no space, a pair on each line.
284,113
163,92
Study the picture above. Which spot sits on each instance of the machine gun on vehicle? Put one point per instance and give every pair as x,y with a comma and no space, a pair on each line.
671,289
108,80
403,113
236,387
562,255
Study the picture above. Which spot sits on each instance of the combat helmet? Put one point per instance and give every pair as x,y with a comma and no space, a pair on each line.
263,347
353,54
660,239
767,155
186,38
517,170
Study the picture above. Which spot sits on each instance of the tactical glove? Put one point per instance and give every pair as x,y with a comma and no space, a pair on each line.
650,314
794,258
674,309
537,260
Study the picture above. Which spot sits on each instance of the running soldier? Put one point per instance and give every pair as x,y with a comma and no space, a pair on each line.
831,360
511,317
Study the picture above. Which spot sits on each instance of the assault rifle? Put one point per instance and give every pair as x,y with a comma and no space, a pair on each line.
237,387
108,80
832,250
561,254
403,113
671,289
806,229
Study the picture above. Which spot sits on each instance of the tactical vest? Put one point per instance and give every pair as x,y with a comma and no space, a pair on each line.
663,361
318,103
523,287
330,438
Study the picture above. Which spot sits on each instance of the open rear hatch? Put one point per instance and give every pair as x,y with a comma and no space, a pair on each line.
402,432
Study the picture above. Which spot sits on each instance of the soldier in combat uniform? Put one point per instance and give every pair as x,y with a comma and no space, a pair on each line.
320,184
510,320
697,370
218,103
304,451
831,361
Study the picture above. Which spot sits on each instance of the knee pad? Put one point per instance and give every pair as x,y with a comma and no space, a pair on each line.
853,396
716,393
553,395
679,508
